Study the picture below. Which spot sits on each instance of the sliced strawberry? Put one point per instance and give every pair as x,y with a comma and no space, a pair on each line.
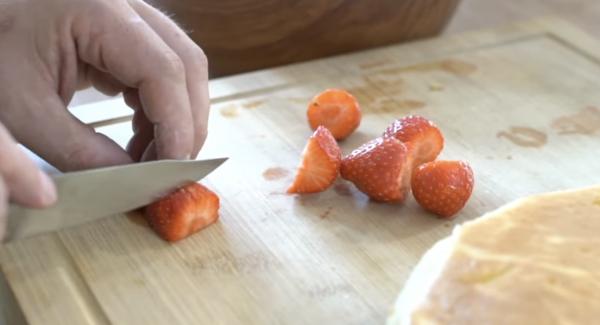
320,165
180,214
379,168
425,138
335,109
442,187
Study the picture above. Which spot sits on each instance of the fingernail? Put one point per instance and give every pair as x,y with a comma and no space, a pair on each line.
48,189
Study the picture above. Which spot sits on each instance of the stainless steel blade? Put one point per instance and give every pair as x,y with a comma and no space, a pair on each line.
88,195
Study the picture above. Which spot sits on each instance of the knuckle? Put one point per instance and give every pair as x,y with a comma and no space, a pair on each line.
199,63
200,138
199,57
201,135
172,64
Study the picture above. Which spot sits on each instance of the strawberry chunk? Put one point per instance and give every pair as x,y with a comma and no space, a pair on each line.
379,168
184,212
425,138
320,165
443,187
335,109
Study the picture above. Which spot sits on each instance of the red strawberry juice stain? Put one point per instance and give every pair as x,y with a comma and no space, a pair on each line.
275,173
524,136
584,122
326,213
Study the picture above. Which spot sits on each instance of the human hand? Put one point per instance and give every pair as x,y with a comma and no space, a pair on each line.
51,48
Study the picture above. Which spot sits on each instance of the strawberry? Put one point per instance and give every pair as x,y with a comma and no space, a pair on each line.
335,109
320,165
180,214
442,187
425,138
380,168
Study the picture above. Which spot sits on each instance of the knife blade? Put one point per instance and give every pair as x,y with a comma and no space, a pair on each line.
89,195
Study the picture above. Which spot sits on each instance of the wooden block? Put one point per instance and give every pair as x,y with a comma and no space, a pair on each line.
239,35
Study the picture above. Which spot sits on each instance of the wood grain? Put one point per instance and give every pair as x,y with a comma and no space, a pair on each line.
333,257
244,35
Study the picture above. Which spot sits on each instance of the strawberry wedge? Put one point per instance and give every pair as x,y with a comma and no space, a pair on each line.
184,212
320,165
424,138
379,168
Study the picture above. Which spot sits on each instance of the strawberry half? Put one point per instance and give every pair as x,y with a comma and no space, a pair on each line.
442,187
335,109
188,210
320,165
379,168
425,138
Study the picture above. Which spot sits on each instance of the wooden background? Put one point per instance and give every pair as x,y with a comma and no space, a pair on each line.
244,35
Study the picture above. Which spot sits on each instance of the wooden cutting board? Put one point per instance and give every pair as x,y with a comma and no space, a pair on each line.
521,104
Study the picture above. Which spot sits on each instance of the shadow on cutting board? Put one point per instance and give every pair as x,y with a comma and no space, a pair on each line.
345,206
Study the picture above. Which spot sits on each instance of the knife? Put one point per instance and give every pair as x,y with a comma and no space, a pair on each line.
90,195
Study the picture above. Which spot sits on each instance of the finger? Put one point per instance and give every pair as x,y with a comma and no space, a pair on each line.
150,153
143,130
142,136
25,183
116,40
104,82
195,62
3,200
44,125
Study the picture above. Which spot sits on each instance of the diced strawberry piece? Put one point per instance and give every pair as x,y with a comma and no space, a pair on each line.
443,187
184,212
335,109
425,138
380,168
320,165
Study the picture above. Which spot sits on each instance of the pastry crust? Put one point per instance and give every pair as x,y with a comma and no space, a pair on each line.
535,261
